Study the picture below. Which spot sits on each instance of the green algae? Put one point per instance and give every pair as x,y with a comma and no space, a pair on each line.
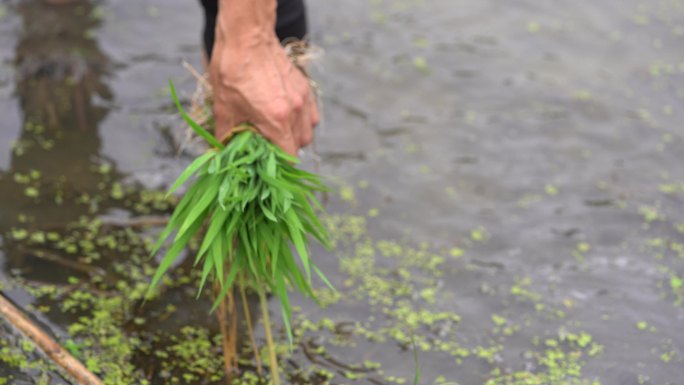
192,355
669,251
21,354
106,349
396,284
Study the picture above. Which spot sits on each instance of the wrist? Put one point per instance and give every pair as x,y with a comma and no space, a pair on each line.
245,23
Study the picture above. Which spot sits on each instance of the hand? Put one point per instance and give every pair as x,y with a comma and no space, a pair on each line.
256,83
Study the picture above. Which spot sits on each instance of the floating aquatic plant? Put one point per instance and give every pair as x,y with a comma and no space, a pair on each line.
255,212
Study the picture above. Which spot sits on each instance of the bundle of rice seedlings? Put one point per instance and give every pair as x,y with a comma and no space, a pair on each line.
259,212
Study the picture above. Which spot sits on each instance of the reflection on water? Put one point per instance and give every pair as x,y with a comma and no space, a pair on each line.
61,86
58,176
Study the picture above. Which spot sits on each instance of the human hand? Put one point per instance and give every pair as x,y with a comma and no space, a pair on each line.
257,83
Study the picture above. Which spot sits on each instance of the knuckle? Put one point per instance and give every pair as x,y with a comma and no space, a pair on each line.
218,69
279,111
297,102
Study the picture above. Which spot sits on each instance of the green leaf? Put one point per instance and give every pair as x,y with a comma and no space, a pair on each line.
259,209
271,165
246,247
267,212
196,127
416,377
175,218
169,258
239,141
296,236
275,254
196,164
281,292
215,165
234,268
290,267
216,225
198,211
219,258
223,192
324,278
206,269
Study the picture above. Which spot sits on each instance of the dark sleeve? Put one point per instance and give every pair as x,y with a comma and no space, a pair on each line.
291,21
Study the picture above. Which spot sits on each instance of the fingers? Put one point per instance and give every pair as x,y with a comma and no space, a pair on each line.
307,115
286,142
297,119
221,118
276,122
287,123
302,114
224,116
266,91
315,114
308,121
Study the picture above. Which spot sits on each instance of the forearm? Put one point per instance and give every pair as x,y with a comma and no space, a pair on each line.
246,22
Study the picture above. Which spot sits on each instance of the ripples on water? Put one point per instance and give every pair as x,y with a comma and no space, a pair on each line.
542,138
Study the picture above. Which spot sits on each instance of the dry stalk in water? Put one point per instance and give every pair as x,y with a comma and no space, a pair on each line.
47,344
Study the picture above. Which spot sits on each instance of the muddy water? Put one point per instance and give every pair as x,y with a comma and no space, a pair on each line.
542,138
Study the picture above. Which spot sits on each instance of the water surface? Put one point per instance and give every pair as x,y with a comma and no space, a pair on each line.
543,139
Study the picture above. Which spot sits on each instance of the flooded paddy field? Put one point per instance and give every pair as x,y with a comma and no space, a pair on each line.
508,193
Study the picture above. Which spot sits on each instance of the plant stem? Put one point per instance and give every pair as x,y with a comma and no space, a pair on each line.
273,360
233,327
229,346
250,330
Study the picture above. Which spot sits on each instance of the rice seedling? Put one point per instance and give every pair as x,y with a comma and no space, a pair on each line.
255,212
416,361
